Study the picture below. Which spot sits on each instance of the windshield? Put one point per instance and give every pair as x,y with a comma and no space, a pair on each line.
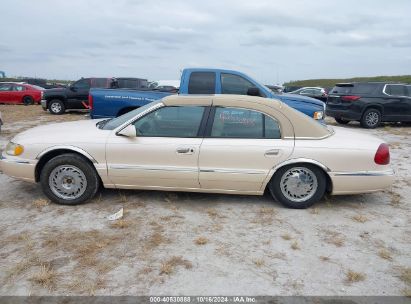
111,124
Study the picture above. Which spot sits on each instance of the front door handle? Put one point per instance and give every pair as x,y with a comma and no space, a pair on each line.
185,150
272,152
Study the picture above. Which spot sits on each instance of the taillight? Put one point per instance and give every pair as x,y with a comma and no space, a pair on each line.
90,101
382,156
350,98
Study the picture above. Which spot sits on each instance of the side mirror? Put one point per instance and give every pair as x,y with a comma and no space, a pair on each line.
129,131
253,92
72,88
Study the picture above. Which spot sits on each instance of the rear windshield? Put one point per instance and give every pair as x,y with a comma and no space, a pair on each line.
355,88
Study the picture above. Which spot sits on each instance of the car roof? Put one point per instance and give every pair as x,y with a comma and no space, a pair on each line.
293,122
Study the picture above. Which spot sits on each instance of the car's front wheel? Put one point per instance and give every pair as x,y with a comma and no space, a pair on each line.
371,119
56,107
298,186
342,121
69,179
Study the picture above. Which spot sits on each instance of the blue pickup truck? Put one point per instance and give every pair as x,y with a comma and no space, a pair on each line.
108,103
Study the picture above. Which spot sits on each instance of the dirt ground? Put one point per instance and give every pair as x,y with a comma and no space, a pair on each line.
190,244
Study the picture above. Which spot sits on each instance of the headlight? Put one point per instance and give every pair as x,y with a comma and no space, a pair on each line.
14,149
318,115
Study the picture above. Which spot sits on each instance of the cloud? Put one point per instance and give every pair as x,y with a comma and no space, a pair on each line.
285,39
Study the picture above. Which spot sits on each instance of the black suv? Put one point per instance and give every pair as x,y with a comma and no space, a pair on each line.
57,101
370,103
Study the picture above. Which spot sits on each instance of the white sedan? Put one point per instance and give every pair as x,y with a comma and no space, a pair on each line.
217,144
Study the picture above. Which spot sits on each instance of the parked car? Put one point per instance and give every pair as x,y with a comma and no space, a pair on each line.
313,92
275,88
112,103
20,93
75,97
230,144
370,103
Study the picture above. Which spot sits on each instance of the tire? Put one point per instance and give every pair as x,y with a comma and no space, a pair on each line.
371,119
28,100
342,121
56,107
69,179
282,183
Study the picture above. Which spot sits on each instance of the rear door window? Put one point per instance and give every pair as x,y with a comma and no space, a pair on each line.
243,123
395,90
356,88
19,88
201,83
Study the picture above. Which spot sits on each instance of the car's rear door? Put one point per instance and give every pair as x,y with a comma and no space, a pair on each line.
165,152
19,92
240,148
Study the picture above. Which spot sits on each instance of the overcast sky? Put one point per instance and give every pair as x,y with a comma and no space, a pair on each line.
273,41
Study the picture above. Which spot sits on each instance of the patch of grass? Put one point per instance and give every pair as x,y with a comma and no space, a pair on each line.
169,266
353,276
406,292
395,199
335,238
324,258
405,275
295,246
40,203
259,263
120,224
314,211
201,240
45,277
286,237
359,218
385,254
212,212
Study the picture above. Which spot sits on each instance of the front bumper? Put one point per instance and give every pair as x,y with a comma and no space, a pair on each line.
19,168
361,181
44,104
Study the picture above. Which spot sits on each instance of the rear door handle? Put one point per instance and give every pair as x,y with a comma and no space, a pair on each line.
185,150
272,152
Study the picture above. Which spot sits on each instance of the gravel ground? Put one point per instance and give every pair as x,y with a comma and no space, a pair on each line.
189,244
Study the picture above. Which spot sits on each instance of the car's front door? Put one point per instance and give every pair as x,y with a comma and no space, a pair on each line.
77,94
164,154
240,148
6,92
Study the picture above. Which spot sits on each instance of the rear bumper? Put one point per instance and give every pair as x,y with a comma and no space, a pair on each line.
18,168
361,181
346,114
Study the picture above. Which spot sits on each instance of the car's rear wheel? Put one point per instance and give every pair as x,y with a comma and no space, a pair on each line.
69,179
56,107
28,100
298,186
371,119
342,121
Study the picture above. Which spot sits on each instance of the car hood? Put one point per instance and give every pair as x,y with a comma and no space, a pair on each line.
66,133
294,97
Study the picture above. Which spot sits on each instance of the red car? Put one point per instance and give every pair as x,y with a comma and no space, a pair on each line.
16,93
